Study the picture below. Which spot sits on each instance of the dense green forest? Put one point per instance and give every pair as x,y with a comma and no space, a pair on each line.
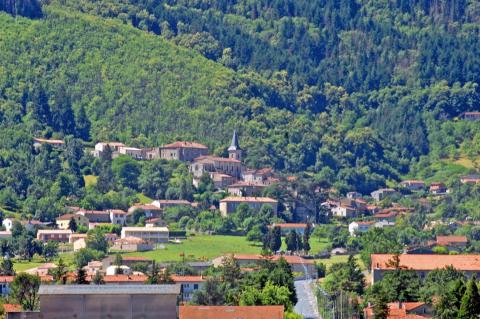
356,93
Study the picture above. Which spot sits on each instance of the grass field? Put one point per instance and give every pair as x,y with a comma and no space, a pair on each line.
20,265
201,248
340,259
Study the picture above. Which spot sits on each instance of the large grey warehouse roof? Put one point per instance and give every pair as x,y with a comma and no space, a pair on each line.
109,289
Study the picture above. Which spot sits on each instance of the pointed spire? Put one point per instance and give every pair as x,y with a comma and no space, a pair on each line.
235,145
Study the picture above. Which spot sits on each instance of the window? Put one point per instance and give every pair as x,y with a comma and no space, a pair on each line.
195,286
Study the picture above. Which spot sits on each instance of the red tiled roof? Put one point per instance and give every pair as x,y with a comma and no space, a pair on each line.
231,312
445,240
398,310
6,278
145,207
216,159
9,308
249,199
66,217
125,278
181,144
428,262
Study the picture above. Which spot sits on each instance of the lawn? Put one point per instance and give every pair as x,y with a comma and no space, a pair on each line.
340,259
22,265
201,248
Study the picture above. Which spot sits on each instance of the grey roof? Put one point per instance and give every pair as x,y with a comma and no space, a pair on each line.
235,145
109,289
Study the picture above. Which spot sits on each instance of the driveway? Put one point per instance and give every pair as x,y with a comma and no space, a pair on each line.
307,302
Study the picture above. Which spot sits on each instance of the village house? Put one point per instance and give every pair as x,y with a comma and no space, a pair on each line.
413,185
286,228
262,176
230,204
470,116
155,222
470,179
60,235
105,301
183,151
133,152
452,242
231,312
189,284
95,216
63,222
231,166
220,181
403,310
149,234
242,188
298,264
150,211
101,146
383,193
349,208
167,203
118,216
423,264
213,164
5,282
151,153
438,188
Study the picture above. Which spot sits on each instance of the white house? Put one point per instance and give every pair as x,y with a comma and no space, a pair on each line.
133,152
118,216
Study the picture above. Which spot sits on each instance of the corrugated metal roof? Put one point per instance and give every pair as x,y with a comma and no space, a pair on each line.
109,289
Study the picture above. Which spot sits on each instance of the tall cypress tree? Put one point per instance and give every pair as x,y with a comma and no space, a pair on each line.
82,124
470,306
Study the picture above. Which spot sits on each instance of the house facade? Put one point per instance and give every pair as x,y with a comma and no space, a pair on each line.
183,151
105,301
413,185
423,264
246,189
230,204
136,153
58,235
286,228
231,312
63,222
383,193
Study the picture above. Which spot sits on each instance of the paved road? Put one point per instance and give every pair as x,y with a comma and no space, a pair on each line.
307,303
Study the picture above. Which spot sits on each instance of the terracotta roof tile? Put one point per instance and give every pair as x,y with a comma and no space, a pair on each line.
9,308
429,262
181,144
231,312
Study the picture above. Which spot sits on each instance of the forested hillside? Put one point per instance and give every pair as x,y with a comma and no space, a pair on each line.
354,92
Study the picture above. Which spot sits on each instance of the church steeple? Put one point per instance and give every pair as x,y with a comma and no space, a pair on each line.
234,151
